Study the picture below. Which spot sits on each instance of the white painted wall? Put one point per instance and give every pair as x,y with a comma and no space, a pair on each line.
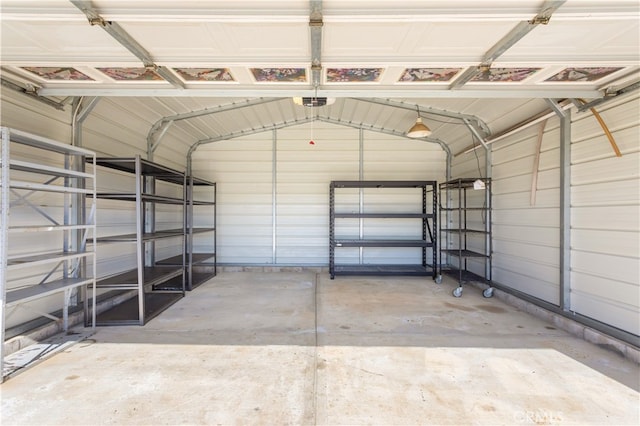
244,171
526,235
605,214
253,178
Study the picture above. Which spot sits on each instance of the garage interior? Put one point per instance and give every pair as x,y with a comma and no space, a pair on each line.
219,212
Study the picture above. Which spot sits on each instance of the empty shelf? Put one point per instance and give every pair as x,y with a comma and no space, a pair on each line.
384,215
463,253
126,313
129,280
25,166
382,243
34,259
41,290
148,198
417,270
151,236
382,184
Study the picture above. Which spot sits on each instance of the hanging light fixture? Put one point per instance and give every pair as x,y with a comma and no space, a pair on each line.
419,130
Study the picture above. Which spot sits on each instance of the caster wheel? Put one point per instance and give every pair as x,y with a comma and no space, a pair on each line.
457,292
438,279
488,292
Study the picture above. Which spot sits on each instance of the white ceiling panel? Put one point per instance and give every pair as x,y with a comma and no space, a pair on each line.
72,42
576,41
266,41
177,40
412,51
452,42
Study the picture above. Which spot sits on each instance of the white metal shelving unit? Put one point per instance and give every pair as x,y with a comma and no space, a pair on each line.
51,175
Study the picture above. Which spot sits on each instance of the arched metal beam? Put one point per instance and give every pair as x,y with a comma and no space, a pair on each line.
475,121
330,120
160,127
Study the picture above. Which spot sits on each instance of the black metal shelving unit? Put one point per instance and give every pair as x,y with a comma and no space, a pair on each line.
465,231
154,287
427,239
200,265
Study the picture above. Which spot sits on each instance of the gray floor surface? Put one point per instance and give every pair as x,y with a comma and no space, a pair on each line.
301,349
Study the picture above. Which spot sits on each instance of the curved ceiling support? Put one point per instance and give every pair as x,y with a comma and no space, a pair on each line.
79,114
474,121
505,43
474,132
284,124
160,127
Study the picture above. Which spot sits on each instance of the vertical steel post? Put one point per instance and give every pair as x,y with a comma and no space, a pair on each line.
139,243
565,211
565,204
4,238
361,192
488,242
274,195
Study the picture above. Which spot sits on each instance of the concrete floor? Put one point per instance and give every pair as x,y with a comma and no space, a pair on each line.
252,348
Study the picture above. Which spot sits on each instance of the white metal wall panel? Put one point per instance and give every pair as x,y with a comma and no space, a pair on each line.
303,174
605,255
472,164
526,237
120,130
242,170
244,174
23,113
391,158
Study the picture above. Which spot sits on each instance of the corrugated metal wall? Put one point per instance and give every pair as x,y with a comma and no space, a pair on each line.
273,195
526,235
605,214
252,178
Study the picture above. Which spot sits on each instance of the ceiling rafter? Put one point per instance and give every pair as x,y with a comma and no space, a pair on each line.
315,32
128,42
516,34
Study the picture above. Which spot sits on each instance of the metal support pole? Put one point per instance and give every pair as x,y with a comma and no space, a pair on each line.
4,238
488,269
361,192
139,243
565,211
565,204
274,195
